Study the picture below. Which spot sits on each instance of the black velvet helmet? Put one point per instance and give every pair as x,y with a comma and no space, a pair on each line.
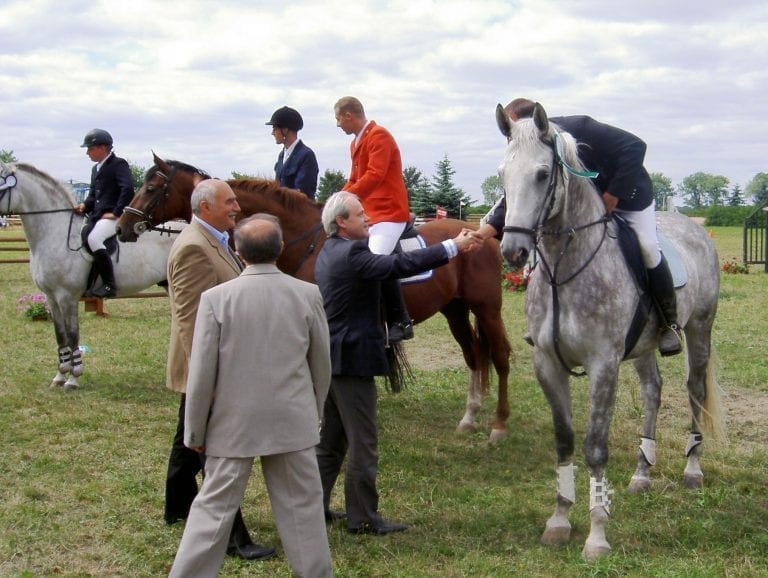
97,136
286,117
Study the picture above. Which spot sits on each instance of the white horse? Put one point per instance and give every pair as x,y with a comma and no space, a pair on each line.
583,303
59,264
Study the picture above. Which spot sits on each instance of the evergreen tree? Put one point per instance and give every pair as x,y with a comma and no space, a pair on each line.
418,192
331,181
445,193
736,199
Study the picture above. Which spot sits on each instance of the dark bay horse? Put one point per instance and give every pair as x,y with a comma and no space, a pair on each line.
580,306
469,283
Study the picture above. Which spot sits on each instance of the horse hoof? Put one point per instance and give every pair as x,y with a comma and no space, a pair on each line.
71,385
693,481
465,427
595,550
57,382
638,485
497,435
556,535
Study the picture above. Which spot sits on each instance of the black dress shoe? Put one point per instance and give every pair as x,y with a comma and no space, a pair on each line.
331,516
251,552
104,291
381,529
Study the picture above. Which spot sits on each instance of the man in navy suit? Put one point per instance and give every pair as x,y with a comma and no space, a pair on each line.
111,190
349,276
296,166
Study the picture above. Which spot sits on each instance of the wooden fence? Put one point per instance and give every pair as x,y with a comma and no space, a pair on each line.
91,304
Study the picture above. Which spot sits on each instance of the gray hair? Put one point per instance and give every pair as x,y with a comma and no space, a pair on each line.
336,206
259,238
204,191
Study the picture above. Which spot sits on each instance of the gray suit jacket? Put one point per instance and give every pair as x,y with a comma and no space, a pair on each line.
260,367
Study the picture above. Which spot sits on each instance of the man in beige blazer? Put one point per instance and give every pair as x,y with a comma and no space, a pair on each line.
199,259
258,379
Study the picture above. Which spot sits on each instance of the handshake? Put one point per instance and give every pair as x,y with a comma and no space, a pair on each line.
467,241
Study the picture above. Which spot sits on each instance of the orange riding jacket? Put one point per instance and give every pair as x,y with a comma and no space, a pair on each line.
377,176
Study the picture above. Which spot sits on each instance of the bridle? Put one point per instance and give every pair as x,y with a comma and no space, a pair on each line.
145,224
314,235
557,175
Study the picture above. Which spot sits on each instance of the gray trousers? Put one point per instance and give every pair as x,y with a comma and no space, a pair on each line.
296,495
349,427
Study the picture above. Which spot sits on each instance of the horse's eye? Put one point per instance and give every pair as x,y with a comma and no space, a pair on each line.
542,175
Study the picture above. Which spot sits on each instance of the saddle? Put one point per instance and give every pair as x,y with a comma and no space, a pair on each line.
410,240
630,248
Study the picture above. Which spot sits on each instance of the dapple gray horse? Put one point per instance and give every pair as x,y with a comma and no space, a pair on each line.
60,265
581,302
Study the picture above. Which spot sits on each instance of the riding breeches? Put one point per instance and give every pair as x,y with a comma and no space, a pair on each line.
643,223
102,230
383,237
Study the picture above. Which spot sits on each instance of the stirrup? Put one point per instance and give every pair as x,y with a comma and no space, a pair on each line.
399,331
670,340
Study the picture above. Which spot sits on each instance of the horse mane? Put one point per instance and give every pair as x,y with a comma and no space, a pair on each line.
43,176
290,199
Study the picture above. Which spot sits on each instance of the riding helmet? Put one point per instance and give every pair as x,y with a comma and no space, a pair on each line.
97,136
287,117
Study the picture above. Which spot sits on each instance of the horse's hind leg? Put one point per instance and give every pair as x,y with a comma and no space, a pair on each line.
457,315
650,391
493,338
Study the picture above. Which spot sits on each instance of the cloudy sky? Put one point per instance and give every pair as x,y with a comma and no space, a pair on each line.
195,80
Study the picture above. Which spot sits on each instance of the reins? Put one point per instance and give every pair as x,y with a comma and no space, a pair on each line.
314,232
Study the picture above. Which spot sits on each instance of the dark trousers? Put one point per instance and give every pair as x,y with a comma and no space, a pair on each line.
181,483
349,427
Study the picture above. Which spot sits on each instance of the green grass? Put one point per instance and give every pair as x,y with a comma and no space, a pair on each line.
81,487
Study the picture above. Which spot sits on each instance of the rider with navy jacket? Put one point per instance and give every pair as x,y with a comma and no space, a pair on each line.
111,190
626,187
296,166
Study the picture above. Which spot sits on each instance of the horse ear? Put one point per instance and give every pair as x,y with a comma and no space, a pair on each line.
541,120
156,159
503,121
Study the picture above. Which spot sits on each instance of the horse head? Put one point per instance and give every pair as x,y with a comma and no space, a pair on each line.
164,195
531,178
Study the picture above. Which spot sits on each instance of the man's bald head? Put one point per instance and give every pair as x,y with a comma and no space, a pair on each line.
259,239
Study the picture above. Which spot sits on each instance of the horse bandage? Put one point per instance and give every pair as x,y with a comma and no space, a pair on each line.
566,486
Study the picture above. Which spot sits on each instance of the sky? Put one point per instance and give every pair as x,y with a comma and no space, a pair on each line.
196,80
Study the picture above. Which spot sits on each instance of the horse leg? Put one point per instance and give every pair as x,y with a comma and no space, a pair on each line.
702,397
603,381
65,319
554,384
650,390
493,337
457,315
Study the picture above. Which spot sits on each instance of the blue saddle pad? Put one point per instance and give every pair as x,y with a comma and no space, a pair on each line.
675,262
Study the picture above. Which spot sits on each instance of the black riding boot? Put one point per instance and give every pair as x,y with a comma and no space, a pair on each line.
104,266
663,293
399,323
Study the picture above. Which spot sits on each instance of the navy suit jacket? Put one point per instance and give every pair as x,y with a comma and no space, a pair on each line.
300,172
349,276
111,188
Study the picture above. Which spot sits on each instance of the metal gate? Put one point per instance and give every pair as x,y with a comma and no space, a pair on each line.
754,243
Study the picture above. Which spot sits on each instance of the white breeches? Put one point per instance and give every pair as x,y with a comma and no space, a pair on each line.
383,237
643,223
102,230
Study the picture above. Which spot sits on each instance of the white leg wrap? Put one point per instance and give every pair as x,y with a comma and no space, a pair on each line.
648,448
694,439
566,485
600,494
65,359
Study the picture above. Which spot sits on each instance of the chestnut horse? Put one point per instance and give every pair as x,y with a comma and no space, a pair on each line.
469,282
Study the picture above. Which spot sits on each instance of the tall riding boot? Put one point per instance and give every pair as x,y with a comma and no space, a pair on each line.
663,293
104,265
399,323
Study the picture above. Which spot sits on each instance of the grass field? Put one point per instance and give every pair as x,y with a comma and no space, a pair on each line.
81,490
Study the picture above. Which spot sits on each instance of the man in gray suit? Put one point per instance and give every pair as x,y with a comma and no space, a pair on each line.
258,378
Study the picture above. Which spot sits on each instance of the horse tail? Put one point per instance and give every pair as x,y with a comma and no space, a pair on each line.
713,420
400,372
483,358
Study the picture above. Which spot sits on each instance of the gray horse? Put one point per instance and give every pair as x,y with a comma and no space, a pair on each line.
60,265
580,306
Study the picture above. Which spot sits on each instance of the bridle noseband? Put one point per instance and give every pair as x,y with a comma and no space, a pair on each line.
145,224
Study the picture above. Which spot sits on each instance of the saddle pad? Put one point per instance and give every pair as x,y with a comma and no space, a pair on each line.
676,266
412,244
